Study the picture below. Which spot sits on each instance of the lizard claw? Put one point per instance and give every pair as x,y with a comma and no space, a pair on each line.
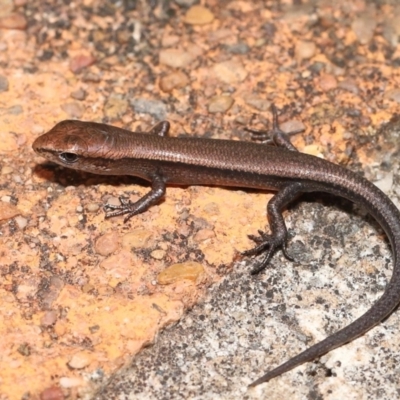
265,241
113,210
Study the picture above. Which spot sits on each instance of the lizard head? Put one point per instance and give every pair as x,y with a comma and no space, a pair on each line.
86,146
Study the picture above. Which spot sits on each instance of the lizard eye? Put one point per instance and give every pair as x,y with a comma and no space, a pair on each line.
68,158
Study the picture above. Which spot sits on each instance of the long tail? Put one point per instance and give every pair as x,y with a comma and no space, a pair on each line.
388,216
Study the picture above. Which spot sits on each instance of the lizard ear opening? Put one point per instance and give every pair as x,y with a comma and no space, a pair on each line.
68,158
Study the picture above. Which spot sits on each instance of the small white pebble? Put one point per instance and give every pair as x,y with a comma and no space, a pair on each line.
158,254
92,207
114,201
79,361
66,382
17,179
21,222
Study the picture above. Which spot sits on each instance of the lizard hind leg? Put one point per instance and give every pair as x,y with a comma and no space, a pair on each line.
277,239
275,136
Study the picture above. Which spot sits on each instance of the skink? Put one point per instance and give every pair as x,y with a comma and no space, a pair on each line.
163,160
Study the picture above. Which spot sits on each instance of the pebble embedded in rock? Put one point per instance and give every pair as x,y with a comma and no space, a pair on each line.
230,71
73,109
138,239
107,244
80,62
189,270
13,21
220,104
79,361
258,102
174,80
198,15
175,58
305,50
